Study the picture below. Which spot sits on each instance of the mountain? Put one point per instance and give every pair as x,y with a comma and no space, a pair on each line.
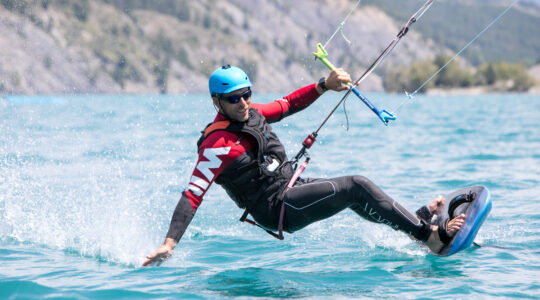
452,24
171,46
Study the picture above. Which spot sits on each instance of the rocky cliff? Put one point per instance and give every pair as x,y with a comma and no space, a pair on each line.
118,46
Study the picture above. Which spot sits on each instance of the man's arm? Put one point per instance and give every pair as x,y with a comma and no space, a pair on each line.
303,97
218,151
290,104
182,216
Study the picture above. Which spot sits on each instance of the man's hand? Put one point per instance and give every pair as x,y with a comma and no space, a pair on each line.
338,80
161,254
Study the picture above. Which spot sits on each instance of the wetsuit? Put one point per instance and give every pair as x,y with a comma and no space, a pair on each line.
248,160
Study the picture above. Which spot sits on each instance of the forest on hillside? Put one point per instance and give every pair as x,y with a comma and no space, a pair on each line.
514,38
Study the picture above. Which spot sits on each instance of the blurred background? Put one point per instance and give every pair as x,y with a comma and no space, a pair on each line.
171,46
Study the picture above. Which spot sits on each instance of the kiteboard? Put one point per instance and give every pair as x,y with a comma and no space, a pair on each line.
475,203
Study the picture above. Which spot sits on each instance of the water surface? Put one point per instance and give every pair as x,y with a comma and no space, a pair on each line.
88,185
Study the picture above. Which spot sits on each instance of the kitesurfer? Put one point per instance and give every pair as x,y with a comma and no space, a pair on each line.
240,152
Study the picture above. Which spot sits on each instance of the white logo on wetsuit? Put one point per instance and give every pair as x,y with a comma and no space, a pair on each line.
198,185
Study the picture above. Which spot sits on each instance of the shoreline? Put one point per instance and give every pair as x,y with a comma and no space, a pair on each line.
477,90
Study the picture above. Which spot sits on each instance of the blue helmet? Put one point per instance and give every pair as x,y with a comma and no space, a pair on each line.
227,79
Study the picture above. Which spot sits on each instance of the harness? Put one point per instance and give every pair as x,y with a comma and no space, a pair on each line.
256,176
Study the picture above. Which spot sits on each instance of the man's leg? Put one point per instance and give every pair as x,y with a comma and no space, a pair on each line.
317,199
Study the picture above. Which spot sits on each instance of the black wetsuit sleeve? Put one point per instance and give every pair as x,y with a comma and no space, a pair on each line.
182,216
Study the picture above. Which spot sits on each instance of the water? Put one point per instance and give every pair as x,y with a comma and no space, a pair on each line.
88,185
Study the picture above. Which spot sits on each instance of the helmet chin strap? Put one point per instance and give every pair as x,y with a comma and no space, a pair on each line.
222,111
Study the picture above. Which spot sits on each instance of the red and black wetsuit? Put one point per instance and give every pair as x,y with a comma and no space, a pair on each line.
248,160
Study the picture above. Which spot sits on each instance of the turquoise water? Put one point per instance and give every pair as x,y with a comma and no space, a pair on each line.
88,185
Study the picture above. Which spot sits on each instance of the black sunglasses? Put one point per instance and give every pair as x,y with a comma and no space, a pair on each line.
233,99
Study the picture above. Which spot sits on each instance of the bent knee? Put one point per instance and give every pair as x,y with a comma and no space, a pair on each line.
363,185
359,180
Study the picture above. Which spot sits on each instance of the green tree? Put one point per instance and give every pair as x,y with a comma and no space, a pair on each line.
452,75
20,6
161,71
490,73
506,71
409,77
120,71
183,57
523,82
486,74
81,9
183,11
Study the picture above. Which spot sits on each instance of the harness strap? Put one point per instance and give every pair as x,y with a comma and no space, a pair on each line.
279,235
244,218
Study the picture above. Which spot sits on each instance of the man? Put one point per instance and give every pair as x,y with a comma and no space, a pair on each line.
240,152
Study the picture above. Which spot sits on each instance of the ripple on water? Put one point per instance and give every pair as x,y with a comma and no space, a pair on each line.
87,189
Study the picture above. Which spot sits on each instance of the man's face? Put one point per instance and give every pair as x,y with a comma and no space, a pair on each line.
237,111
